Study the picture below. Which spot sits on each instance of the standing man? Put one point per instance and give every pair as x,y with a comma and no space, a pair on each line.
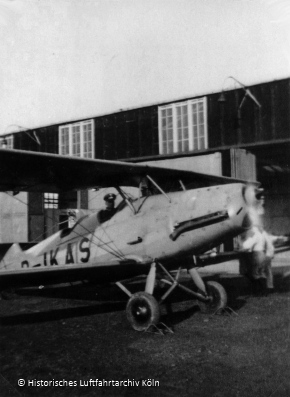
260,253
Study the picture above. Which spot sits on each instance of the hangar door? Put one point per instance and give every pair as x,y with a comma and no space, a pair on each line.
243,165
13,215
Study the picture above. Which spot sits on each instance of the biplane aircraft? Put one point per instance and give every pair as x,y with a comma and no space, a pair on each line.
177,215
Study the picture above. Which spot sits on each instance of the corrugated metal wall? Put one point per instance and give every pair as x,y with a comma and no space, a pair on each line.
43,139
134,133
36,221
128,134
270,122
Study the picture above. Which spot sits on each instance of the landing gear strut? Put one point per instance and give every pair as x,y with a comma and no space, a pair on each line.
143,309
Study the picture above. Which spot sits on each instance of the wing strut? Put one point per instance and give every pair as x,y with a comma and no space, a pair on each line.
120,191
158,187
182,185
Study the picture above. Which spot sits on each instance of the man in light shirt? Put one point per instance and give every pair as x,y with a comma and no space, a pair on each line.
260,250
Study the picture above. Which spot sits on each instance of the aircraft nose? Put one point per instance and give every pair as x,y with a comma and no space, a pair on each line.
252,194
254,201
241,208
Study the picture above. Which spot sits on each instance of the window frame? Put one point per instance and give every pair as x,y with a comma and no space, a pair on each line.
50,200
9,139
179,124
75,142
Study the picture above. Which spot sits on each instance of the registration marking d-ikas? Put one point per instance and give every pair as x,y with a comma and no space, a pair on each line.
51,260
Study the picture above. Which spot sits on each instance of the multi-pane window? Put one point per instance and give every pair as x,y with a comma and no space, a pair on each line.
50,200
7,142
88,140
198,125
64,140
166,130
77,139
182,126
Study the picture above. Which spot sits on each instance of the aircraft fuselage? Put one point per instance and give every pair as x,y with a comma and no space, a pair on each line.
163,228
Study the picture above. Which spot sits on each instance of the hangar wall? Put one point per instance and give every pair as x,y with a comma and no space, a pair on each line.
276,184
277,208
235,129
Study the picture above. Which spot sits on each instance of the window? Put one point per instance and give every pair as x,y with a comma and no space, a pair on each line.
50,200
77,139
182,126
7,142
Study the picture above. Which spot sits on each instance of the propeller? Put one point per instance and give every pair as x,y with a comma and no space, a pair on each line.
254,198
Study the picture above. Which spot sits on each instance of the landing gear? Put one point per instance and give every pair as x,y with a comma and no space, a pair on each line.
218,298
142,311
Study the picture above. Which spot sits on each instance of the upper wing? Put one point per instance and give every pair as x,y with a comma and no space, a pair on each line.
33,171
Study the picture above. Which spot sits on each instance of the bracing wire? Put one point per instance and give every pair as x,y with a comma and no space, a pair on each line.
115,251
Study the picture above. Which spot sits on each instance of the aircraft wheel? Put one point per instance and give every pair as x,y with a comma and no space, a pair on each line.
218,298
142,310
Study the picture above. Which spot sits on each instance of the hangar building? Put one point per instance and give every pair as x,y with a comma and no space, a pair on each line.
239,133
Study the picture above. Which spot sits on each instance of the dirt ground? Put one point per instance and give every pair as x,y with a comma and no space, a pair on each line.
80,333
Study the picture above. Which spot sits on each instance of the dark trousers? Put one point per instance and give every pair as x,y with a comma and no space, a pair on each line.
257,267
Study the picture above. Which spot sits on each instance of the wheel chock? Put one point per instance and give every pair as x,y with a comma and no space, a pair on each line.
159,329
225,311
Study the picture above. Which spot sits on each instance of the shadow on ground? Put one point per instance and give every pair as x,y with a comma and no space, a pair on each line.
109,298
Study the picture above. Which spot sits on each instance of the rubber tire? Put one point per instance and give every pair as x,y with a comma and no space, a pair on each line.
142,311
219,295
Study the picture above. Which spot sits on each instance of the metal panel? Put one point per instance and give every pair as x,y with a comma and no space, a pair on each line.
13,215
243,165
51,221
36,228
